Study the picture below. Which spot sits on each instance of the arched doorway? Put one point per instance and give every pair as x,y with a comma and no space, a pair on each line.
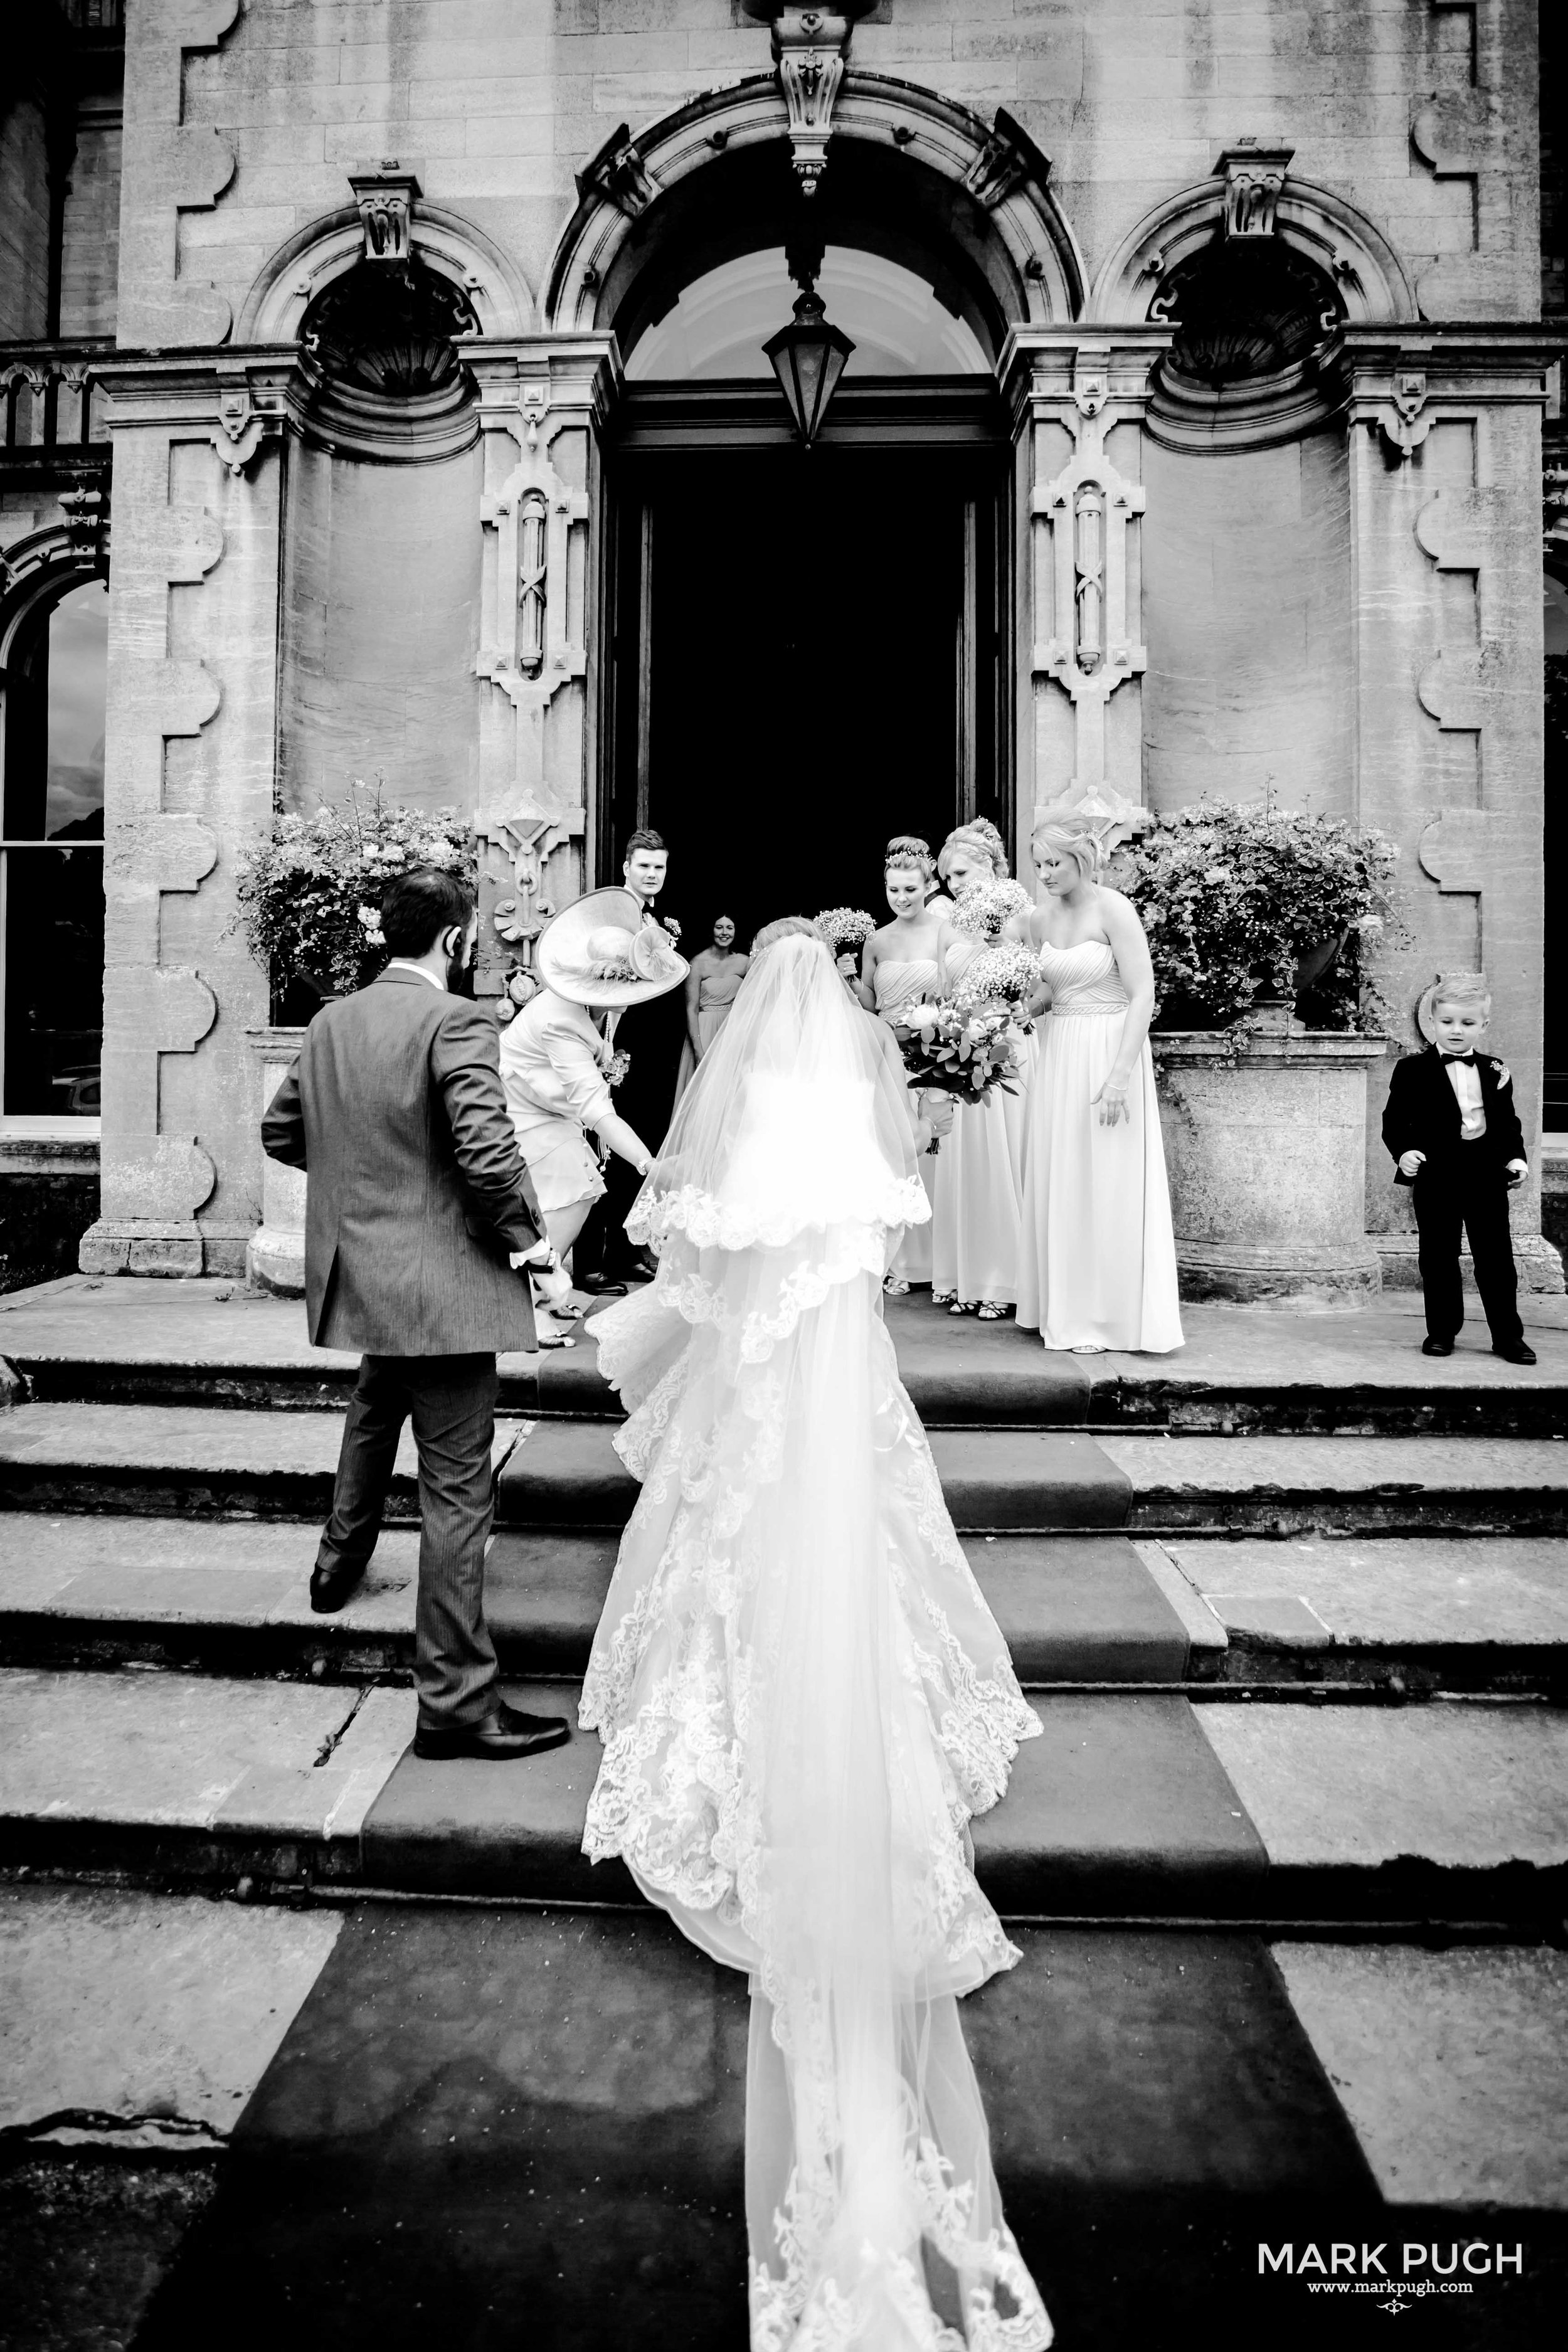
51,854
806,649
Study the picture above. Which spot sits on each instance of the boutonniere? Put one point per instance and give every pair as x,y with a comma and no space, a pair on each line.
1503,1074
616,1067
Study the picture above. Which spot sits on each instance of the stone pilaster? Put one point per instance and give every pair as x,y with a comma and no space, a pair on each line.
1078,398
193,656
542,403
1445,471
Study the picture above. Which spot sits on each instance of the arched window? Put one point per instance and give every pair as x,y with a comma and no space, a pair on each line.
51,858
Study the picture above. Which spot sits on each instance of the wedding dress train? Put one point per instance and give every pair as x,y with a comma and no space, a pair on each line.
801,1693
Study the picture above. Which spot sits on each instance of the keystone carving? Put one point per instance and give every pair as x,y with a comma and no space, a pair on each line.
1254,179
618,174
386,201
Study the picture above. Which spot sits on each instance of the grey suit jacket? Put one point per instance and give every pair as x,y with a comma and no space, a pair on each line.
417,1191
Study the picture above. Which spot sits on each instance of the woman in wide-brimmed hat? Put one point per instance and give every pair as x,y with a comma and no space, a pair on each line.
596,956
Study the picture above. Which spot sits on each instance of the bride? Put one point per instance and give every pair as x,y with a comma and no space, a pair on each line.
802,1695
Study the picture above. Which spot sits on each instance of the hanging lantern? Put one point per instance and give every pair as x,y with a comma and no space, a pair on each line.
808,357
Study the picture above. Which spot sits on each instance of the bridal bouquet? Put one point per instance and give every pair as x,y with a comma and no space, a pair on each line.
967,1051
981,912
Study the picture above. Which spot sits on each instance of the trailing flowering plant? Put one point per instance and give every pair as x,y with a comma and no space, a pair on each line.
1243,901
1007,973
310,898
982,911
844,930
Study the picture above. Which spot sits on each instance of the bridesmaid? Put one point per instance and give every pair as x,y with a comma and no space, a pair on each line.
712,986
1097,1265
899,965
979,1189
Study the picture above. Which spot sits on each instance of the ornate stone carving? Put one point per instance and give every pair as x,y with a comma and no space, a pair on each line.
245,420
1254,182
86,510
1403,420
385,200
1008,158
809,48
618,172
1087,508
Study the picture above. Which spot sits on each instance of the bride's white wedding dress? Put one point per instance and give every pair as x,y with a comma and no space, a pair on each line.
801,1693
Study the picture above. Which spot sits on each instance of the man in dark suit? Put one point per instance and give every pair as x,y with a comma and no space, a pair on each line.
1452,1127
604,1258
418,1221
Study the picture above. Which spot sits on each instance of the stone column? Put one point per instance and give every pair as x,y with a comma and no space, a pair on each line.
1445,453
1078,398
541,401
187,781
275,1257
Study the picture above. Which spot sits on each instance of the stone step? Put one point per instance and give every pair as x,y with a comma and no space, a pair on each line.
210,1462
1278,1486
1128,1805
568,1474
1359,1372
1420,1613
190,1594
199,1460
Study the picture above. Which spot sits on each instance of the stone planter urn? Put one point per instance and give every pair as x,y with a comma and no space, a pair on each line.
275,1254
1265,1146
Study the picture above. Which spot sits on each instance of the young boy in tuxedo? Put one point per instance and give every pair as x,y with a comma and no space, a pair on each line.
1454,1132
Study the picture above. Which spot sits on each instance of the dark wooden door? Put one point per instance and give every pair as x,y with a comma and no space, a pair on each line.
808,659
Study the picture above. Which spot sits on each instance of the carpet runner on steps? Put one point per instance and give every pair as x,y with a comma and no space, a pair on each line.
568,1474
1119,1807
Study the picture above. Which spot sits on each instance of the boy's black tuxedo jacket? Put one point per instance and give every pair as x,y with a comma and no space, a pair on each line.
1423,1115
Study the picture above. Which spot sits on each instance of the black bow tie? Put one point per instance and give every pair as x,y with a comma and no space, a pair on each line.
1468,1059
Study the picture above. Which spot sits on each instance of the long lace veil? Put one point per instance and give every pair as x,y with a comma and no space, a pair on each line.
801,1693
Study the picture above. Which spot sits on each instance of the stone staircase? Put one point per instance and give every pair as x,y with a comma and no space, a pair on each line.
1217,1745
1293,1611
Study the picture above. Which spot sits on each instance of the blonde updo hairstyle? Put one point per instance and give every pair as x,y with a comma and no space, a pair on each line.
909,849
978,840
1077,842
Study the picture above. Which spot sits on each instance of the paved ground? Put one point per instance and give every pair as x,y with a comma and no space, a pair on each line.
215,1324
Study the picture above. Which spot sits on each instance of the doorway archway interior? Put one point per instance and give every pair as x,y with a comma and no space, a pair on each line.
807,649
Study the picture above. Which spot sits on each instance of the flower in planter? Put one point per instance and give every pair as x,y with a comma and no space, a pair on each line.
309,896
1240,900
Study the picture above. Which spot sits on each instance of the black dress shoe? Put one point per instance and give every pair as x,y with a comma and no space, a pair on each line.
1430,1347
504,1734
1517,1353
643,1268
331,1588
600,1286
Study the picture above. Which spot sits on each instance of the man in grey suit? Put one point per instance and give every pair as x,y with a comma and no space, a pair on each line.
420,1219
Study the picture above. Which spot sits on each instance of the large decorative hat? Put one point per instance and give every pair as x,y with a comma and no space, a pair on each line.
600,950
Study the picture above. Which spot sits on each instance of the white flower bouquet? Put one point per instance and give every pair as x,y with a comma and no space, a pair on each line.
981,912
1007,973
844,930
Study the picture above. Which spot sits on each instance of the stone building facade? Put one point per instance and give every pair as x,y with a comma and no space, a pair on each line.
399,363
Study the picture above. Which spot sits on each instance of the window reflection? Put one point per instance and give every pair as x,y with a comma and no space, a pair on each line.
51,865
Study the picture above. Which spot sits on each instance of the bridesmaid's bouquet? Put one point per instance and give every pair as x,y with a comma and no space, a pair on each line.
1007,973
844,930
981,912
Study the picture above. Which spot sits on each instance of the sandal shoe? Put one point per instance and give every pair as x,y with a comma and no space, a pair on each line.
964,1306
989,1311
894,1288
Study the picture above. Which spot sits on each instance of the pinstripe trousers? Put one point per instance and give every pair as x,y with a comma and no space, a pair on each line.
452,1402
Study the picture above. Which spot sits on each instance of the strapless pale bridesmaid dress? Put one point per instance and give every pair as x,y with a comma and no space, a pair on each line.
1098,1265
